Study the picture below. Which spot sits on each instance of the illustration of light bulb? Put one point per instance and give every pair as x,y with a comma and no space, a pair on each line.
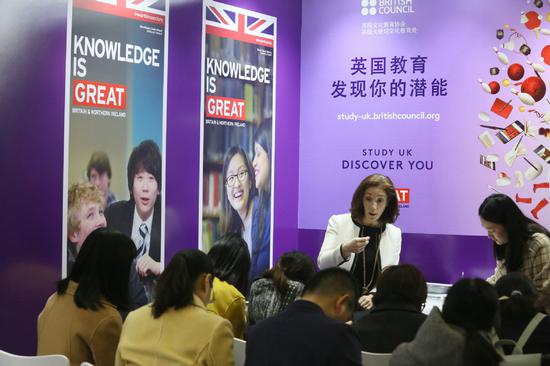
501,56
524,97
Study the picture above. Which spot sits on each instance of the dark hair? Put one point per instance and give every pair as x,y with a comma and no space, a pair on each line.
502,210
391,212
262,136
146,156
295,266
517,295
102,270
176,284
402,283
231,260
100,162
230,221
334,281
472,305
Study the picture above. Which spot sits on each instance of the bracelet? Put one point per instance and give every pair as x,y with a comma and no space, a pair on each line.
342,254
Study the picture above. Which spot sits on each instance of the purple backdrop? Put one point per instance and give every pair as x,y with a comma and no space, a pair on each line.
32,76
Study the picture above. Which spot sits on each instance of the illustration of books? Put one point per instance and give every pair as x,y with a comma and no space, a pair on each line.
487,161
502,108
544,153
510,132
486,139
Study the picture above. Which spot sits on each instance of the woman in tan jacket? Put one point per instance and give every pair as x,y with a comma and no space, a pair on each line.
176,329
81,320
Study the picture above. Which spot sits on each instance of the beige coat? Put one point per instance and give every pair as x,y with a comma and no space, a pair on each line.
81,335
187,336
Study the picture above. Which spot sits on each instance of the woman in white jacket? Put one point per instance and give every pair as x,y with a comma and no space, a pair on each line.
365,240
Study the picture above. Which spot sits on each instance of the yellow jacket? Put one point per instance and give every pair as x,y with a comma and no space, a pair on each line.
187,336
230,304
81,335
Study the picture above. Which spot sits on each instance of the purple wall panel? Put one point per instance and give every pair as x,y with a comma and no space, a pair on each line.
32,80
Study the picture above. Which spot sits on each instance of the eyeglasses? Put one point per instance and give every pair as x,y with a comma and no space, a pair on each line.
232,179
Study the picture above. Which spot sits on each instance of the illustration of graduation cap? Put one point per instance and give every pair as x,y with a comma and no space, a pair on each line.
543,152
510,132
487,161
502,108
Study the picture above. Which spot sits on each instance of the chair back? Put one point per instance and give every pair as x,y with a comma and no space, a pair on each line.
239,351
86,364
533,359
375,359
8,359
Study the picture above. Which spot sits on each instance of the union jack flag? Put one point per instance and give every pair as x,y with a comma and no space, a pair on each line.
153,11
231,22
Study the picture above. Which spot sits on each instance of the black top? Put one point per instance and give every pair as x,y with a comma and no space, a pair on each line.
366,265
302,335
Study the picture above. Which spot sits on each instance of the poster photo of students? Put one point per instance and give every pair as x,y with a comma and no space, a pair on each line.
115,127
237,130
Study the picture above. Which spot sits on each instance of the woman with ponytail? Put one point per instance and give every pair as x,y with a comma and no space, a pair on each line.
176,328
460,335
279,286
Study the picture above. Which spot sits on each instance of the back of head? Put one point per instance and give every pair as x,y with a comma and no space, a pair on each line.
295,266
175,286
231,260
101,269
472,305
332,283
517,295
402,284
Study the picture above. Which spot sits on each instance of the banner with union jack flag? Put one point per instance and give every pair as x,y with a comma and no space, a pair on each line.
237,130
115,114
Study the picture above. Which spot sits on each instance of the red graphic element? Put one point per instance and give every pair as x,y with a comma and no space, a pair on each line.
98,94
495,87
120,9
502,108
535,212
538,186
527,200
545,53
515,72
228,108
534,86
403,195
533,20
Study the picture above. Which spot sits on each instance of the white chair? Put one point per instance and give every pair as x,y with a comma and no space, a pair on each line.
533,359
8,359
375,359
239,351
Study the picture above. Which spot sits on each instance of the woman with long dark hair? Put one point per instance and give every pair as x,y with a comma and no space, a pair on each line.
176,328
261,214
365,240
81,320
279,286
519,243
231,263
460,334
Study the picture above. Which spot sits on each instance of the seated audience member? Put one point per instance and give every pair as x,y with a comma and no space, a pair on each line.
312,330
231,261
99,174
460,335
84,215
176,329
140,217
81,320
401,292
279,286
517,295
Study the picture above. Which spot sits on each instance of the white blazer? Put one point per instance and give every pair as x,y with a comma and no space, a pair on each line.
341,229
